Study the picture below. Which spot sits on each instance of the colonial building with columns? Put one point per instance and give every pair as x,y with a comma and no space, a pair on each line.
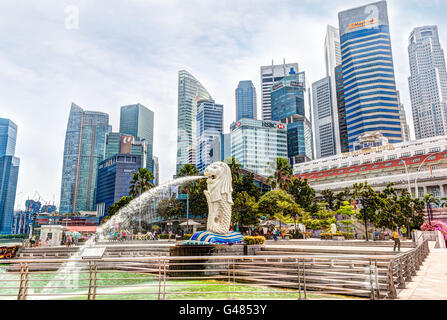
416,165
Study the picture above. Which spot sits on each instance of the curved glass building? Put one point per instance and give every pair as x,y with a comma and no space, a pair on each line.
190,90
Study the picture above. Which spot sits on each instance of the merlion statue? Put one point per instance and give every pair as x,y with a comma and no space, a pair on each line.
219,197
220,202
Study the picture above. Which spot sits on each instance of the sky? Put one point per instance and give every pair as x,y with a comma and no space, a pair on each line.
104,54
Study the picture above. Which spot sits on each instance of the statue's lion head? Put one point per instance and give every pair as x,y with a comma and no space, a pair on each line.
219,180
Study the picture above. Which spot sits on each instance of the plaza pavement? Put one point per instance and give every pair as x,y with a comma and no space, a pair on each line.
430,283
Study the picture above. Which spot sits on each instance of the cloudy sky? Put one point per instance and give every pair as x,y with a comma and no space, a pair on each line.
124,52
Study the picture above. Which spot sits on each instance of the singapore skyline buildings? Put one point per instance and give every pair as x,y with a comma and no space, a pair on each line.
41,140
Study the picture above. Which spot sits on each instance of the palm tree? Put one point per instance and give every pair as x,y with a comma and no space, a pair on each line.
140,183
430,199
281,175
188,170
235,168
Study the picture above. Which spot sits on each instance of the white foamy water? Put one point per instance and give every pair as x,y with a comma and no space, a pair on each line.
67,275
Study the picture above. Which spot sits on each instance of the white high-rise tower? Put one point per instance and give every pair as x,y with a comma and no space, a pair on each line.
428,82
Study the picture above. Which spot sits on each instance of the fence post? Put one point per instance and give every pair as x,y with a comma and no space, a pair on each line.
25,291
400,274
159,276
392,294
164,278
373,294
90,281
299,278
21,283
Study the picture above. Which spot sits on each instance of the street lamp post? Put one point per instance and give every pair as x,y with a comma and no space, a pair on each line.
408,176
417,173
187,211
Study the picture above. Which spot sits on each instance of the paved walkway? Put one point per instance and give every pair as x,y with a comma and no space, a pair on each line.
430,283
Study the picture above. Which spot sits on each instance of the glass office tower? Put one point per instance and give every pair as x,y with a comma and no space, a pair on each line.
9,172
138,121
114,175
256,144
209,126
190,90
370,93
245,100
85,142
289,106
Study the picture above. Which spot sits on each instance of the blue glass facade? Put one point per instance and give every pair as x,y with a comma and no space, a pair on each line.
114,175
288,106
245,100
138,121
370,94
9,173
344,144
85,142
8,136
209,126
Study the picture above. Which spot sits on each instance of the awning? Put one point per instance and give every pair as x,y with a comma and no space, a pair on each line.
191,223
82,228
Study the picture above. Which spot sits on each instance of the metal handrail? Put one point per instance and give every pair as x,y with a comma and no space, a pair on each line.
323,274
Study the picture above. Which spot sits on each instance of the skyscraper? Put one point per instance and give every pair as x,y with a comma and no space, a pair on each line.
403,120
190,90
270,75
209,126
138,121
332,54
256,144
290,105
9,172
114,175
428,82
245,100
368,73
341,110
324,118
85,144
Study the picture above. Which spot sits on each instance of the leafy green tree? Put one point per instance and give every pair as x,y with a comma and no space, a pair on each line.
370,203
429,200
188,170
235,168
346,212
198,204
281,175
246,183
303,194
141,182
117,206
170,208
268,204
244,211
342,197
330,199
321,219
196,200
292,213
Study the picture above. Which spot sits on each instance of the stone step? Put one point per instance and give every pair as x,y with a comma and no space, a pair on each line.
343,243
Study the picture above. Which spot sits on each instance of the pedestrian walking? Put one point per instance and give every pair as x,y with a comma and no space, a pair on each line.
396,240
